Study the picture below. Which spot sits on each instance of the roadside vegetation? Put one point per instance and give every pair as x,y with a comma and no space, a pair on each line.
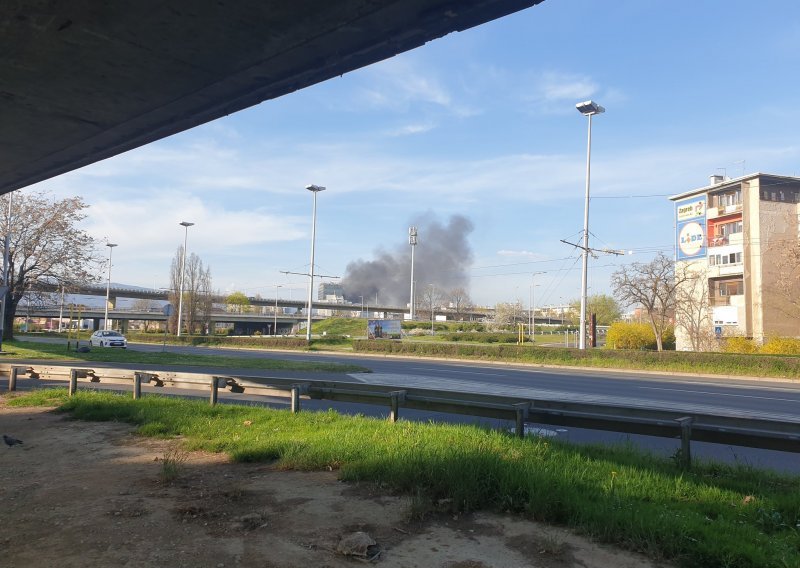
629,346
773,346
711,516
34,350
661,361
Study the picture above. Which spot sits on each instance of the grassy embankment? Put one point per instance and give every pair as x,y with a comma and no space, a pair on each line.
711,516
49,351
781,366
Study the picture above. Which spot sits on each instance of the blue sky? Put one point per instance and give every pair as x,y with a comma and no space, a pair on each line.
481,124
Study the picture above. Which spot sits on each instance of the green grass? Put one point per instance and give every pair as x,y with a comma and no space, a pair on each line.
782,366
354,327
34,350
713,516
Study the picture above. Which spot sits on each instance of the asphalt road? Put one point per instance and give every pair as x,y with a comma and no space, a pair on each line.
740,397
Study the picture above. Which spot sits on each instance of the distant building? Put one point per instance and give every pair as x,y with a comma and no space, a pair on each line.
732,235
330,292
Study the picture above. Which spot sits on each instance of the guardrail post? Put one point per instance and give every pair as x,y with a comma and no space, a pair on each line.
295,399
522,410
137,385
214,391
686,437
396,398
12,378
73,381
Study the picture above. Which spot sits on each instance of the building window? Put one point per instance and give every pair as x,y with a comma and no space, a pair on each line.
731,288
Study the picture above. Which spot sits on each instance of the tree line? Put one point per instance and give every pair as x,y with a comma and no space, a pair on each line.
48,249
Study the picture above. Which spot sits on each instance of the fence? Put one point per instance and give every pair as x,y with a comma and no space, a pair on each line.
749,431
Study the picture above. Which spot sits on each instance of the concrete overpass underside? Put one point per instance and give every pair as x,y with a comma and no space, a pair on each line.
83,81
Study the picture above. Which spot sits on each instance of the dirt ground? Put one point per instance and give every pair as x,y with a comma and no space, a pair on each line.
93,494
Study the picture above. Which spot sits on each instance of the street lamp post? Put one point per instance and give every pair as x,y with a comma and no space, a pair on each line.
186,226
315,189
532,318
412,240
588,109
275,322
362,306
108,284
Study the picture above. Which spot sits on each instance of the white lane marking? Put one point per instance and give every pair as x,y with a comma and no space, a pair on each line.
461,372
359,377
721,394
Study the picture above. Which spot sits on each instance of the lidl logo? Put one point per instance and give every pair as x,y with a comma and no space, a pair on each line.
691,239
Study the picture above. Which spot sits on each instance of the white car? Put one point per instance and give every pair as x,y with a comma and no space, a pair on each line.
107,338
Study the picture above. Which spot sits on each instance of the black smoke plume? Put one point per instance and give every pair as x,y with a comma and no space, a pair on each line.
442,257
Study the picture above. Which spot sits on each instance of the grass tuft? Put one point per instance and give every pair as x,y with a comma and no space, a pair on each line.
172,464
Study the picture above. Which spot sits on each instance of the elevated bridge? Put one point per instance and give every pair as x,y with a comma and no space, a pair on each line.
84,81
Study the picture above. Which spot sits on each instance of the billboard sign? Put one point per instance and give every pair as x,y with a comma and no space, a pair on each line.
691,240
692,210
690,222
384,329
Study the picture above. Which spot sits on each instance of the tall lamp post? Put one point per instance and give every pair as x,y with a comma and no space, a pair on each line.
314,189
185,225
275,322
108,284
532,318
412,240
588,109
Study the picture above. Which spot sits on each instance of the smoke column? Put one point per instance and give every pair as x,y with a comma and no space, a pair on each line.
442,258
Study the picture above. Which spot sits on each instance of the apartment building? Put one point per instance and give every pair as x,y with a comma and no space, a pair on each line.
733,237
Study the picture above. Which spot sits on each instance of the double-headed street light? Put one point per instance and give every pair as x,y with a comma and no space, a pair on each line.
185,225
588,109
315,189
108,284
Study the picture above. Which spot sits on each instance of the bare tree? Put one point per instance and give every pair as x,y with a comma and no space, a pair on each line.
460,300
45,248
693,312
197,292
651,285
429,299
506,315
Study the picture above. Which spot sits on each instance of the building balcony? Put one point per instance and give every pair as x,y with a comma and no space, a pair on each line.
732,239
725,270
722,210
719,301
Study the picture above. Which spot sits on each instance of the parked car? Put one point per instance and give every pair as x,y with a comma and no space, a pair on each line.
106,338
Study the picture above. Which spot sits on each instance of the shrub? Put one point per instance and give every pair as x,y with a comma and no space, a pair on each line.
622,335
781,346
739,345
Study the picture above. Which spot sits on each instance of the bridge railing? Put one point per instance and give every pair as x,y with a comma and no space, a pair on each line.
750,431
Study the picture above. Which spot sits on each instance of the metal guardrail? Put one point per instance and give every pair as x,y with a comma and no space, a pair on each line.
764,433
